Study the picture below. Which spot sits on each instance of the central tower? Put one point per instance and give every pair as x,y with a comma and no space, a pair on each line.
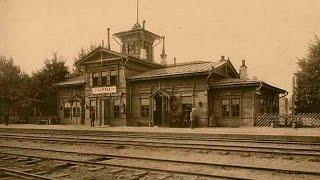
138,42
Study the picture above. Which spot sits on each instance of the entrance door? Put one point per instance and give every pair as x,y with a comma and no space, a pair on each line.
157,112
160,109
106,112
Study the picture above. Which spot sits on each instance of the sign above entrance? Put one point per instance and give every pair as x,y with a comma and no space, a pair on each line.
104,90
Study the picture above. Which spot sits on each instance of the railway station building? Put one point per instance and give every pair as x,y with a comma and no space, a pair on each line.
129,88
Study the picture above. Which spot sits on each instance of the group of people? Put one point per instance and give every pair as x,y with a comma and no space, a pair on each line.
184,121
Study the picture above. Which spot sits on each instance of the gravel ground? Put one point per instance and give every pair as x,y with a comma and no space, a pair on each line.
311,164
273,161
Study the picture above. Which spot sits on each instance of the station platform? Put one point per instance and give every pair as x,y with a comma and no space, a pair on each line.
292,134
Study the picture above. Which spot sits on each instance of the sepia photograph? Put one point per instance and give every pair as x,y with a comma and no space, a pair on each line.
159,89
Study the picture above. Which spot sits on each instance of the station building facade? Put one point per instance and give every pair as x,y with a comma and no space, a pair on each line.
129,88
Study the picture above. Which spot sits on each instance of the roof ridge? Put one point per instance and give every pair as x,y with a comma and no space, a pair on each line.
190,63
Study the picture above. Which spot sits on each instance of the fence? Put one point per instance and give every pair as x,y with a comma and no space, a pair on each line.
283,120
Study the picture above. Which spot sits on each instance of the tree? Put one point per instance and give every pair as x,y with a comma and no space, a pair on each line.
44,95
308,80
13,87
78,71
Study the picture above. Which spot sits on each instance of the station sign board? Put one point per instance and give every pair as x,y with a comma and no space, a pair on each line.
104,90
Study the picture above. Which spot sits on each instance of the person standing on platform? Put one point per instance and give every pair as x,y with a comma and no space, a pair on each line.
93,117
192,118
6,119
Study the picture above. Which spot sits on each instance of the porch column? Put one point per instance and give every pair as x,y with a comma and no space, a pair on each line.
162,110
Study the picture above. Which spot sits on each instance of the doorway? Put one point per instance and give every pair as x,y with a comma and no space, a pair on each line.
160,111
106,112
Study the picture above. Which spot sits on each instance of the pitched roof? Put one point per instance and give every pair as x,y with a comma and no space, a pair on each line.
180,69
231,82
72,81
118,54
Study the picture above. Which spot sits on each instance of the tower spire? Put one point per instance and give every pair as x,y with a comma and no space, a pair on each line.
137,25
137,11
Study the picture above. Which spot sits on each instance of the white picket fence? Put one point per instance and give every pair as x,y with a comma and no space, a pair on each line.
283,120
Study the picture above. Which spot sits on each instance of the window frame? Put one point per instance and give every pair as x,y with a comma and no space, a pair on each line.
115,76
76,109
104,77
145,108
231,107
67,110
95,79
223,110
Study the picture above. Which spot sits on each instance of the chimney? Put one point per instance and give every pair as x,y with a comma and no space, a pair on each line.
174,61
144,24
108,29
163,54
222,58
243,71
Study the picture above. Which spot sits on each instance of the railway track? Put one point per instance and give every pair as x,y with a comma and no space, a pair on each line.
215,170
294,151
167,136
73,162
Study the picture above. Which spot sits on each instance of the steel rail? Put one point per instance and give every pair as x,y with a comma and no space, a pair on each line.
288,171
21,174
174,137
199,146
131,167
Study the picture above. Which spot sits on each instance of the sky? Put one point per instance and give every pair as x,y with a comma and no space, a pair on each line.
269,34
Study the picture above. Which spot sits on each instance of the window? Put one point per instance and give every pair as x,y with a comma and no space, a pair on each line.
93,105
230,107
145,107
66,109
104,78
235,107
131,48
113,77
186,107
91,80
116,108
76,109
95,79
136,45
225,107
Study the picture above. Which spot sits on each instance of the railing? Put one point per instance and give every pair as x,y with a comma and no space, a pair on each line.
283,120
